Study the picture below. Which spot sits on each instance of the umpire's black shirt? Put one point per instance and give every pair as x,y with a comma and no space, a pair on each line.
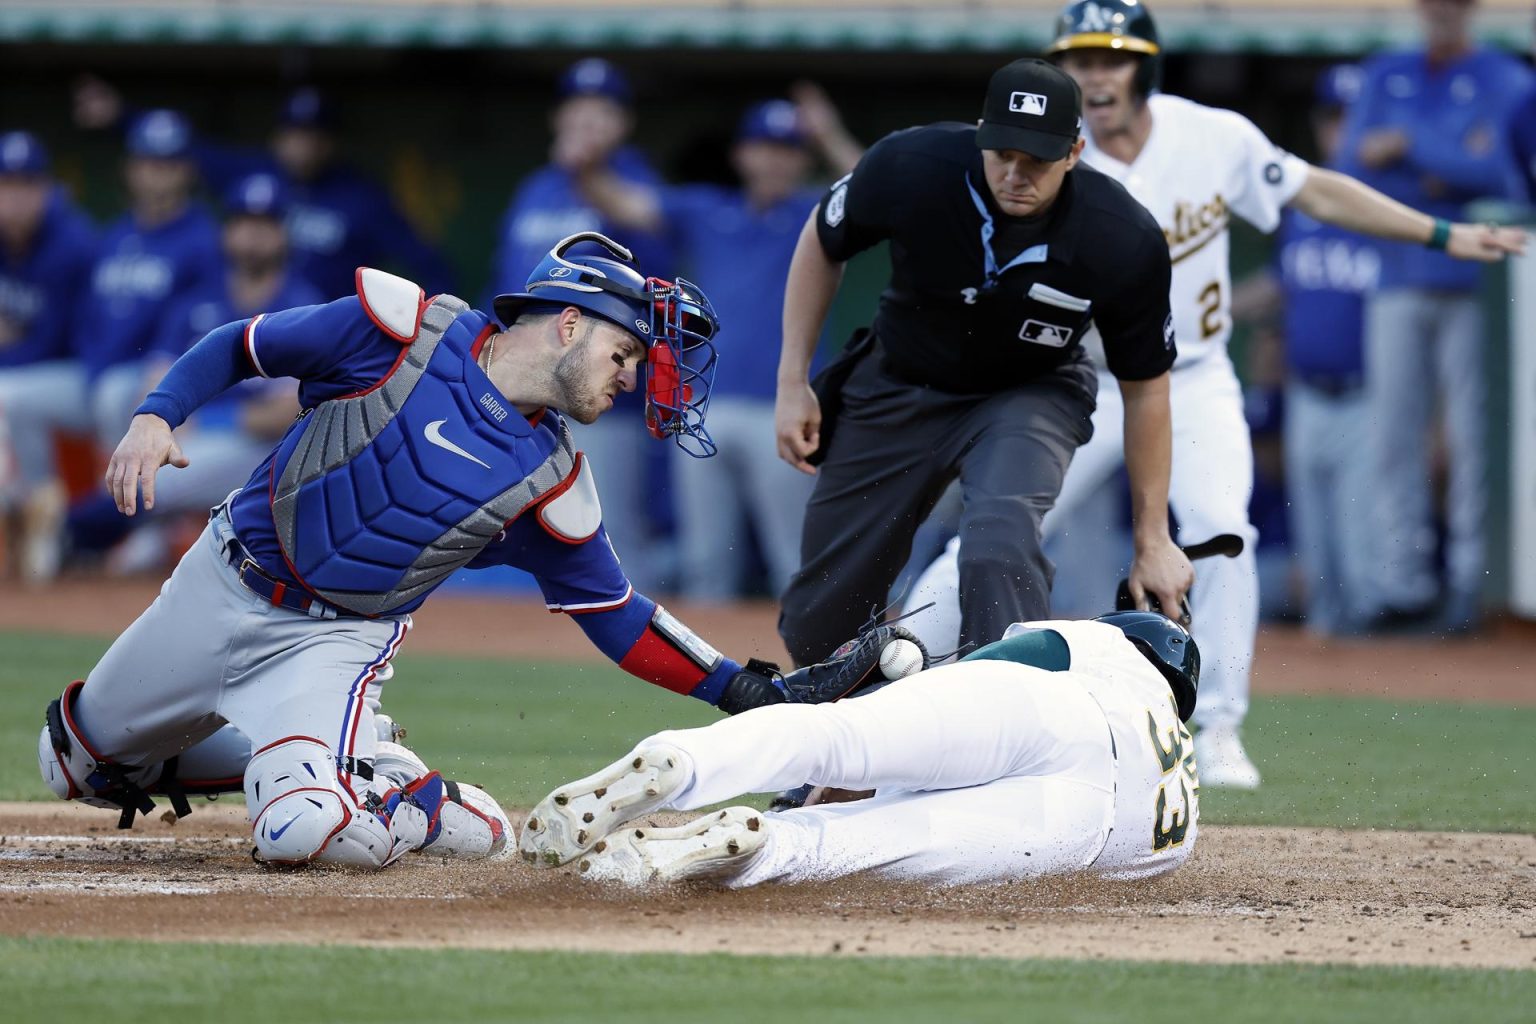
1095,255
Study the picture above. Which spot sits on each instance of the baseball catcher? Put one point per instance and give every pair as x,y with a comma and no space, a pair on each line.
433,438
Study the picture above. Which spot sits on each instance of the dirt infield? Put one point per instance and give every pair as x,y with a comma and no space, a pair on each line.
1498,666
1250,895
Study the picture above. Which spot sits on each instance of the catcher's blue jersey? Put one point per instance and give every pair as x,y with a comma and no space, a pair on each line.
368,523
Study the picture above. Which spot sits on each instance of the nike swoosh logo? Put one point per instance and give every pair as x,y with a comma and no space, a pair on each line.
277,833
434,433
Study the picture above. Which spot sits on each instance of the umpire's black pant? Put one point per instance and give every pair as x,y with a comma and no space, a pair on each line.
896,447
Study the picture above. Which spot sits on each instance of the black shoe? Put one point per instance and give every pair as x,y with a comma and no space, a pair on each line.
791,798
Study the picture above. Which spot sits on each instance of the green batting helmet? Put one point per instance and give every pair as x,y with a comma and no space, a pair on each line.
1112,25
1170,649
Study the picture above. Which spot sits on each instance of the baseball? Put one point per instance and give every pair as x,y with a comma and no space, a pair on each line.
900,659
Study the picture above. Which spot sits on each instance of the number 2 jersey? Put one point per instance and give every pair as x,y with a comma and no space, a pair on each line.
1199,167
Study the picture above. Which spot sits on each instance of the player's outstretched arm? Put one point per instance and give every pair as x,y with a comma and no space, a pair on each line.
1159,567
1338,199
148,445
812,283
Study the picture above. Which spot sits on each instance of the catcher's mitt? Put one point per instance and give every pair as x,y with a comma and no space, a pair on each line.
855,666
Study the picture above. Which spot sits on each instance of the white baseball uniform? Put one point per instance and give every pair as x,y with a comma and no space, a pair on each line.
985,771
1199,166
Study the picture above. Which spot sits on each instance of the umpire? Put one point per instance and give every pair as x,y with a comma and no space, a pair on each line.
1004,251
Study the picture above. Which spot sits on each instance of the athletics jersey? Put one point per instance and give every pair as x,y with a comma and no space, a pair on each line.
1199,166
1157,790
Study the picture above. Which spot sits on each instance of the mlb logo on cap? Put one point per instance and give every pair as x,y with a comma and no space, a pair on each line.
1027,103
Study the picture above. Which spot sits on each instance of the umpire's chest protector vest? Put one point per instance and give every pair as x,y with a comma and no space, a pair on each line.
383,494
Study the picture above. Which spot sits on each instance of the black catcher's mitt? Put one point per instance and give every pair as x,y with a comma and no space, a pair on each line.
855,666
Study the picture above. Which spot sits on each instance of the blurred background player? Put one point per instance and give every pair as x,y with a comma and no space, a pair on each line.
742,239
234,430
1430,129
1194,167
339,218
47,250
164,247
1318,289
590,124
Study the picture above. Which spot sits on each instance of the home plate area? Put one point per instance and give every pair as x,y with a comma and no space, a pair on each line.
1250,895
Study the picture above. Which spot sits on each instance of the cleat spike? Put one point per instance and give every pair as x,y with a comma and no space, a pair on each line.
586,819
581,837
733,847
584,866
600,792
561,799
602,845
639,833
533,824
754,824
637,763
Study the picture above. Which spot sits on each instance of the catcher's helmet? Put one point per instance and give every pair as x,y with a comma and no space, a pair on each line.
674,321
1112,25
1169,647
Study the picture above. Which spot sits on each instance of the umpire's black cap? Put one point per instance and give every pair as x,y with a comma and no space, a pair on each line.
1034,107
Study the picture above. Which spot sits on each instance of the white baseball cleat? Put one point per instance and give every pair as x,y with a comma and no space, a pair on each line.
569,821
717,846
1222,760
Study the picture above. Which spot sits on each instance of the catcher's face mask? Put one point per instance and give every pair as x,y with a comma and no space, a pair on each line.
674,321
680,366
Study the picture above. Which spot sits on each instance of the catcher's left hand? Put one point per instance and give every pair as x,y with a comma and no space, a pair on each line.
852,667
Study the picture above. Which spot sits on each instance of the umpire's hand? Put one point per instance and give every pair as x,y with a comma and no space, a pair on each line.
797,423
1162,569
1485,243
148,445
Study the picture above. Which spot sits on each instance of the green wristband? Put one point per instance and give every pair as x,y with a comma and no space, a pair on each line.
1439,236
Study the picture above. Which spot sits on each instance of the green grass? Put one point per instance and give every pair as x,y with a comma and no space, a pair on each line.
49,979
521,728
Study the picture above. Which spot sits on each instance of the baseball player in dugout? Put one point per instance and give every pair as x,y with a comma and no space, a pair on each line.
433,438
1194,167
1059,749
974,367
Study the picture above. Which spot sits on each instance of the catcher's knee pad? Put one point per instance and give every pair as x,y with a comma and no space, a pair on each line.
300,811
71,767
470,824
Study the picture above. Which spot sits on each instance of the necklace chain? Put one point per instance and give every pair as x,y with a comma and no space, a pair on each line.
490,353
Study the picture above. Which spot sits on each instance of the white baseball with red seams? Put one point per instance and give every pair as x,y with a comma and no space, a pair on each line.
900,658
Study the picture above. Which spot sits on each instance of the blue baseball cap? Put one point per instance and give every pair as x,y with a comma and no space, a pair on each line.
22,153
595,77
771,121
164,134
1340,85
306,108
257,195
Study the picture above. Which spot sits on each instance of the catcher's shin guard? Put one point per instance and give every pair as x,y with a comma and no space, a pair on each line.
472,825
301,811
74,771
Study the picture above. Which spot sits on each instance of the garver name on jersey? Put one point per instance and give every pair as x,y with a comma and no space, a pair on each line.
1194,224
